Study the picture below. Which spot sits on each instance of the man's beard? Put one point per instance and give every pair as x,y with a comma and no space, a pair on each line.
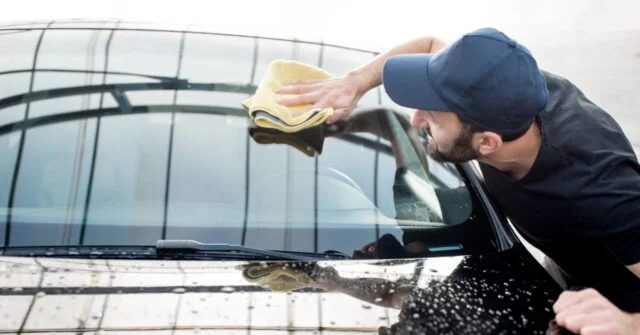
462,151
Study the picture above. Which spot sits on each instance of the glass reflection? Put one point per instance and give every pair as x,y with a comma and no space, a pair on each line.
482,295
189,172
320,189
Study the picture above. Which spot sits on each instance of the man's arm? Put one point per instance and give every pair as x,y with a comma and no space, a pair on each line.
370,75
342,94
381,292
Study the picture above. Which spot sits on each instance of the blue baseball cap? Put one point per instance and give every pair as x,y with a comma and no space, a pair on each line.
488,79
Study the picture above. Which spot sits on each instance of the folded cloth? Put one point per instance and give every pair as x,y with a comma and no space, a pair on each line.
277,276
267,113
309,140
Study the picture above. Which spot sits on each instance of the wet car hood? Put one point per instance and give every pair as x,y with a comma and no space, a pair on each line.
498,293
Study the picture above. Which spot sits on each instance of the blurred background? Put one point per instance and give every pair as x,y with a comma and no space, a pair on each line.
595,43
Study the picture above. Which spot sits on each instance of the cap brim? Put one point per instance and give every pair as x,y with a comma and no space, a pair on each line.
407,82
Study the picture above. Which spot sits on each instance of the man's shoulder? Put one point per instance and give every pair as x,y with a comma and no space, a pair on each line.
577,126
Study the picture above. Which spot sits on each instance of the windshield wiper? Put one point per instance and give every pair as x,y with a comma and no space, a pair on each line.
119,73
192,248
81,251
169,249
118,91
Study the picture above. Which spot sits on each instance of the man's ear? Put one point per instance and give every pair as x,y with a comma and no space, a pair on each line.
488,142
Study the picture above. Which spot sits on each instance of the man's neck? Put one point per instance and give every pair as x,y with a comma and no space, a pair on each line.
516,158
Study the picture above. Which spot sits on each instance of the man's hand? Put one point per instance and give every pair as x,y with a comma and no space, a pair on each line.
588,312
325,278
342,94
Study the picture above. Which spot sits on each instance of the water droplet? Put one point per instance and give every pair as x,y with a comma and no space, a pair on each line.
366,306
40,294
179,290
203,299
333,323
416,315
96,316
49,253
378,299
18,289
194,312
228,289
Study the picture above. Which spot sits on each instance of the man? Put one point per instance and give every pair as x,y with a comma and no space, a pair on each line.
558,165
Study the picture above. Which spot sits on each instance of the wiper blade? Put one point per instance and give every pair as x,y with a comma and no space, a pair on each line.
119,73
191,247
81,251
167,249
119,90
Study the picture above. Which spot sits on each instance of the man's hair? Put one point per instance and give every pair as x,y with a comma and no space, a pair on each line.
472,129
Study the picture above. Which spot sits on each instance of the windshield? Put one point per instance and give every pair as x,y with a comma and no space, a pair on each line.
178,163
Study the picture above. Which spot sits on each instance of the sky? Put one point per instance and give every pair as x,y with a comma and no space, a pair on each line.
382,23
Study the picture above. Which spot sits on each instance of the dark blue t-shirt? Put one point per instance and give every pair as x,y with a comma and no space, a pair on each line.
580,202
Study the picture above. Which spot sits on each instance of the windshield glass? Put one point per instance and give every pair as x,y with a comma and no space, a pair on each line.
190,164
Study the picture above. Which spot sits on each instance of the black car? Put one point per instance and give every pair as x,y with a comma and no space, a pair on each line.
139,197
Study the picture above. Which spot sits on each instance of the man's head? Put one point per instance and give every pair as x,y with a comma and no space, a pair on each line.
448,139
472,96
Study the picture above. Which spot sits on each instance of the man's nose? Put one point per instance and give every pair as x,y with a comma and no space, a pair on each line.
419,119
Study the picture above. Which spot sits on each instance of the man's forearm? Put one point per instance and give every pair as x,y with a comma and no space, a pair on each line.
376,291
370,75
636,322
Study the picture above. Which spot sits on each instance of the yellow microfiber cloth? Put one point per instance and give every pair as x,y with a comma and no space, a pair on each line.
278,277
267,113
308,141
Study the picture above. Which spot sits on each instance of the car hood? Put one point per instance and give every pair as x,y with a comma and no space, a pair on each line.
452,294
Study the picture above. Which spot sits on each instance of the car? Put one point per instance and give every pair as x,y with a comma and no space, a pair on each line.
139,197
